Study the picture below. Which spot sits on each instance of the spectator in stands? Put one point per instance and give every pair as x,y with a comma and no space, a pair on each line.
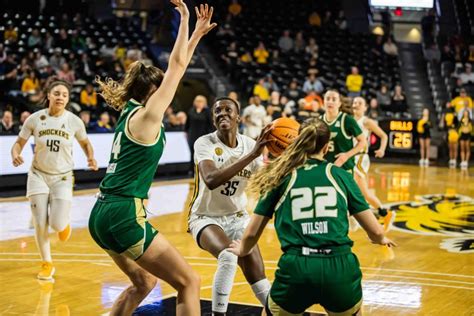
390,48
10,34
399,102
234,8
66,73
447,54
253,118
78,43
289,106
120,51
428,23
86,119
7,127
23,116
199,122
8,74
354,82
299,44
48,42
314,84
234,96
458,55
261,53
470,54
174,121
230,57
246,58
146,60
260,90
56,60
88,99
456,91
312,69
103,124
285,42
276,104
314,19
312,97
377,47
294,92
432,53
40,60
34,40
90,44
384,98
63,41
312,49
107,50
340,21
85,66
467,77
269,117
181,119
373,111
3,53
226,29
270,84
31,83
460,101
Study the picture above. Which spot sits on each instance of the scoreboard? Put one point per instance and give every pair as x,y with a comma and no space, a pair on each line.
402,136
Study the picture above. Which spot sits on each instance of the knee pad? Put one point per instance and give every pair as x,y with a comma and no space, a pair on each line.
227,258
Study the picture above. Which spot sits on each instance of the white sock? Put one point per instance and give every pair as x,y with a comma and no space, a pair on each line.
59,214
261,289
223,281
39,208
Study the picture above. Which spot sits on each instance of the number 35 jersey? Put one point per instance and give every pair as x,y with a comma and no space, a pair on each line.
53,140
230,197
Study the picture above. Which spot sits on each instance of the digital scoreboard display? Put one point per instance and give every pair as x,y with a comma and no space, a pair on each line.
400,135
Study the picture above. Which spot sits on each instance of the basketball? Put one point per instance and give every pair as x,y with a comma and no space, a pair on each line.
285,130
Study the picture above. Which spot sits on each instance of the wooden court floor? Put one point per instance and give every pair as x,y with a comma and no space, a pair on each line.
430,273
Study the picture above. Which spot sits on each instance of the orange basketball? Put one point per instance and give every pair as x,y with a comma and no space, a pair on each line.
285,130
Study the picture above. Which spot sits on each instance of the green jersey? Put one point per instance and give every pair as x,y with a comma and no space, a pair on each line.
343,129
132,163
311,205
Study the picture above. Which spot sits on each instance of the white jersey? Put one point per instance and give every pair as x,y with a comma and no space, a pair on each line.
255,116
53,140
365,132
230,197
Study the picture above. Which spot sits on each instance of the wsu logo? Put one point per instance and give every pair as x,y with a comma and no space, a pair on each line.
437,214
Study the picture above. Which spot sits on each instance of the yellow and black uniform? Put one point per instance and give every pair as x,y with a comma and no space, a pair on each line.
423,128
118,220
465,129
451,123
317,266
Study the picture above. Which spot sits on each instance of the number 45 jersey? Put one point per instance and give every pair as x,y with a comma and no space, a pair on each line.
54,138
230,197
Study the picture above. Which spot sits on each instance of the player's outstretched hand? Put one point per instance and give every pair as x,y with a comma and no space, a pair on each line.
262,140
92,164
17,161
181,8
387,242
203,19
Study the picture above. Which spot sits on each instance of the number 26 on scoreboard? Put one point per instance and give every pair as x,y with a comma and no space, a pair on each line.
401,140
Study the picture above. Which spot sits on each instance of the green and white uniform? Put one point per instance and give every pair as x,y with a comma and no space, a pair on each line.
343,129
310,208
118,220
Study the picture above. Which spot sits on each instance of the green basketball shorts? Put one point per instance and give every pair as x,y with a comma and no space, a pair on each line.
119,225
333,281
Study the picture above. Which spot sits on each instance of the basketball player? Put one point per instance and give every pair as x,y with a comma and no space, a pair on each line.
309,198
50,179
465,131
224,162
361,169
118,221
347,139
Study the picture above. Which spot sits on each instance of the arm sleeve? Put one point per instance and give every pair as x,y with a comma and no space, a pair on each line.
203,150
352,127
355,200
28,128
80,129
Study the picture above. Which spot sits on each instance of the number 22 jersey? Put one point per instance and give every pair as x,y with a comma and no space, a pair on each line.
230,197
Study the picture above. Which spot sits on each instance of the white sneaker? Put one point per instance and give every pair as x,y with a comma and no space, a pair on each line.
463,165
452,163
421,162
427,163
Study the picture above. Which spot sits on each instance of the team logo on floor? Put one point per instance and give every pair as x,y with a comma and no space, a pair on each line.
458,245
436,214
